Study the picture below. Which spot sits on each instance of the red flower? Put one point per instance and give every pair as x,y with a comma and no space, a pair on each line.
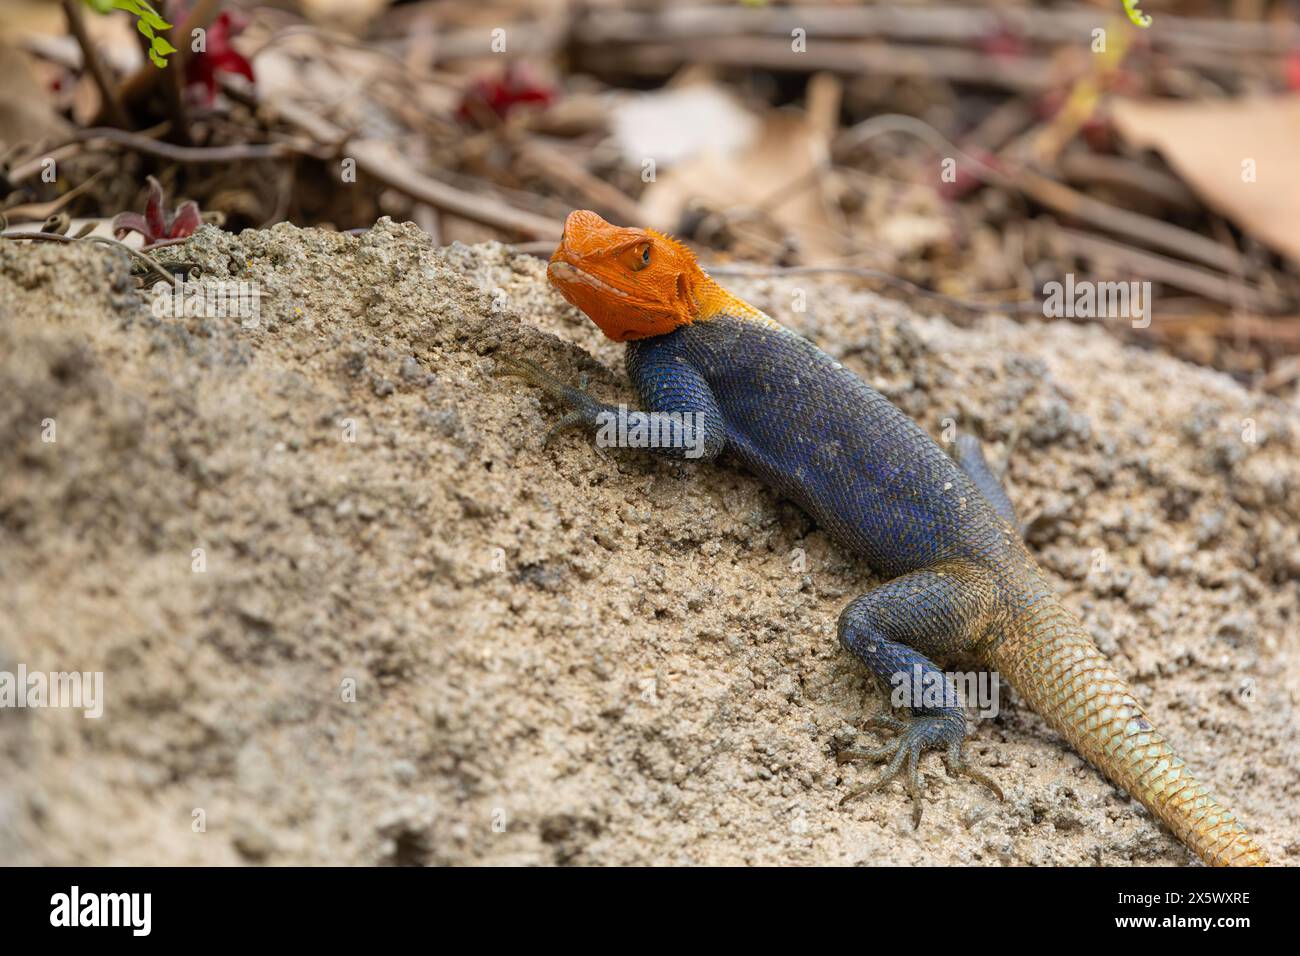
157,224
218,56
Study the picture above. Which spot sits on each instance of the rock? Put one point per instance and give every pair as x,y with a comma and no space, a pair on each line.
644,677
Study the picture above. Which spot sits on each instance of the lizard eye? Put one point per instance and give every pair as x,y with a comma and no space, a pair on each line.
638,257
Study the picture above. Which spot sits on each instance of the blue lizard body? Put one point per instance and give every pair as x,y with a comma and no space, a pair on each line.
839,449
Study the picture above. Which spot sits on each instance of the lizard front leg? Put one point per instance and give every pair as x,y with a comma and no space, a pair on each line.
683,413
896,629
584,408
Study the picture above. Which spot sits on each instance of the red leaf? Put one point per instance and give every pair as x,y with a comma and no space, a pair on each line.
501,94
157,223
1003,42
1292,70
186,221
218,56
967,178
127,222
153,210
232,62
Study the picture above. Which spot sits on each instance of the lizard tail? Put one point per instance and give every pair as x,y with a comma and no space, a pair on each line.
1049,660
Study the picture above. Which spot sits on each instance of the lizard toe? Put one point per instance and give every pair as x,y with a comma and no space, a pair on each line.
568,421
874,755
916,734
585,408
883,720
900,755
530,372
955,764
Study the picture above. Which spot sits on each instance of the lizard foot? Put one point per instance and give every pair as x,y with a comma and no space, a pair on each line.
915,735
584,407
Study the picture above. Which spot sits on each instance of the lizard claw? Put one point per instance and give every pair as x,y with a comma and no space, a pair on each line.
915,735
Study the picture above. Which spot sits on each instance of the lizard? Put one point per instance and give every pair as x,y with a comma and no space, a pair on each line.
715,374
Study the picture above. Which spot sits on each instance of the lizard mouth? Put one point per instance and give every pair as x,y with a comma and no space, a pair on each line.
566,273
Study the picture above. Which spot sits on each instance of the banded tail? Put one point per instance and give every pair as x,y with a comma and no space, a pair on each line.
1053,664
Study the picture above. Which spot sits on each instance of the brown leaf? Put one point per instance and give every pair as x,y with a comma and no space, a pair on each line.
1216,145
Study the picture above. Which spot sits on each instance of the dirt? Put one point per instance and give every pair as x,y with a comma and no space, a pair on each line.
413,635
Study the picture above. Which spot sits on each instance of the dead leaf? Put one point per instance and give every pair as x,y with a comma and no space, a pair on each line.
1239,156
673,125
777,178
27,114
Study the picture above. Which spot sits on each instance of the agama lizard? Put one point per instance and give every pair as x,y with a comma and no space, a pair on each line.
714,373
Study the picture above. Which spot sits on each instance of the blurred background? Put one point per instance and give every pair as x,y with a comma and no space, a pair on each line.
961,156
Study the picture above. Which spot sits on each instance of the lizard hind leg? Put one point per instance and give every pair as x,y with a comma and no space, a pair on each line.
970,458
896,630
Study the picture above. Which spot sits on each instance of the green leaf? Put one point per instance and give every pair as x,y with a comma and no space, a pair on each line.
1136,16
143,11
147,22
151,16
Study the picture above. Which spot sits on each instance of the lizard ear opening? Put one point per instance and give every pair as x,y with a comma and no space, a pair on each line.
685,304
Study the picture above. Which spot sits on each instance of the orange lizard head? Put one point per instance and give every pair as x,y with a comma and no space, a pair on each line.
633,283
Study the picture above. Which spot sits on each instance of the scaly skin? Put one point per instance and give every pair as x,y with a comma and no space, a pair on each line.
716,374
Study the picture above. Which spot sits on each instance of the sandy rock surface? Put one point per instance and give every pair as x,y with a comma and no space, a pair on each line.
419,637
